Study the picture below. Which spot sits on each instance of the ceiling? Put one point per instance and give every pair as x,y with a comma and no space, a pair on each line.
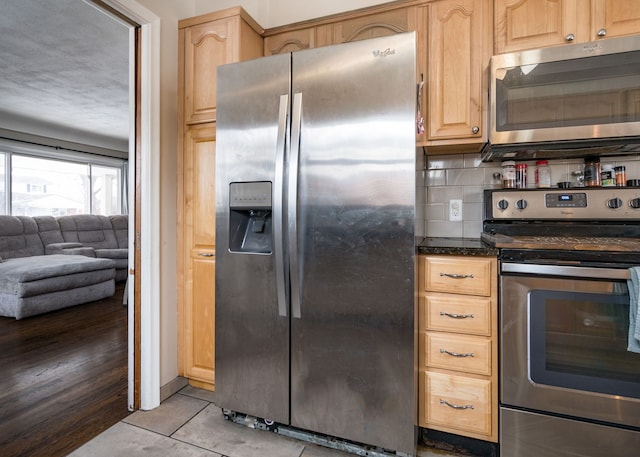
64,72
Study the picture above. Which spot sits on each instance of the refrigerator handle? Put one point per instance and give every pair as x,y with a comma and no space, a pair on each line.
292,202
281,285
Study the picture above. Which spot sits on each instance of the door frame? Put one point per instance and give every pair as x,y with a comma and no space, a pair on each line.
144,204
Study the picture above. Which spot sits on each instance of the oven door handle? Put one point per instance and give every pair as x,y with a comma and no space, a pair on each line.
565,270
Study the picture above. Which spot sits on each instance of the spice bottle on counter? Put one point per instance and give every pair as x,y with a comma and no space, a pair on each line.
521,176
509,174
621,175
592,172
543,174
607,175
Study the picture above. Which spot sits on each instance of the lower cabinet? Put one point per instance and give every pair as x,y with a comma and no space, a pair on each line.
458,404
197,261
458,346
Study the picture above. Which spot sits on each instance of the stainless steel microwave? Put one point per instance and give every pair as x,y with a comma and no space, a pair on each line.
566,95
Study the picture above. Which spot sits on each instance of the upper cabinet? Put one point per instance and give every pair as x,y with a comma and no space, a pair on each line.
458,48
208,41
296,40
374,25
613,18
357,25
529,24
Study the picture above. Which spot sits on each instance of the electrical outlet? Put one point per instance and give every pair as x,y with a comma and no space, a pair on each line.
455,210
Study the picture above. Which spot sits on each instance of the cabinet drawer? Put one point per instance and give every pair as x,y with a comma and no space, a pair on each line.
456,313
457,402
468,354
458,275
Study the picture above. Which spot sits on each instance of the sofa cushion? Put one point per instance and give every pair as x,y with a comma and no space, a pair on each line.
19,237
120,224
20,307
72,281
14,271
49,230
88,229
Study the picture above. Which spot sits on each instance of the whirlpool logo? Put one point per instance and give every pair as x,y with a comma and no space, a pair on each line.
384,53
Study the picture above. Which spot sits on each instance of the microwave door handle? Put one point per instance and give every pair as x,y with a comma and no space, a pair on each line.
292,202
281,273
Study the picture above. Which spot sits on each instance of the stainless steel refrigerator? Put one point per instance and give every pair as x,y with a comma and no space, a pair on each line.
315,198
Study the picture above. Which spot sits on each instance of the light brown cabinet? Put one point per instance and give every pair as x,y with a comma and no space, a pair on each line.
458,339
458,43
204,43
197,231
357,25
614,18
297,40
374,25
529,24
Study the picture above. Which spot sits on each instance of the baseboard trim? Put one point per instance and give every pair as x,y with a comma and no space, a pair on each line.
172,387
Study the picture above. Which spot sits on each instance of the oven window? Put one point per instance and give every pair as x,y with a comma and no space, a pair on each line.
578,340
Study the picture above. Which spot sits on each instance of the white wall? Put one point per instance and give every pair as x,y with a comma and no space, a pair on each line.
258,9
272,13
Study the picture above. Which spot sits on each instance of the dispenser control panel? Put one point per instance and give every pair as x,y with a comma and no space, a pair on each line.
256,195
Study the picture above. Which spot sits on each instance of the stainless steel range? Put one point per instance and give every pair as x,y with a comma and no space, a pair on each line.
568,384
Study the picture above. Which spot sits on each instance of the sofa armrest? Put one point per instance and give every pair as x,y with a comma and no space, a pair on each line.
70,248
56,248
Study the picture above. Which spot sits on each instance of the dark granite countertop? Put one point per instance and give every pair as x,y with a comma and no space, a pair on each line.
454,246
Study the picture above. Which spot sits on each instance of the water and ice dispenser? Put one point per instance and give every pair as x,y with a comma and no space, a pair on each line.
250,220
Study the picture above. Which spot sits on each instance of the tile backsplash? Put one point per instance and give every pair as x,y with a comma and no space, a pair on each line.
442,178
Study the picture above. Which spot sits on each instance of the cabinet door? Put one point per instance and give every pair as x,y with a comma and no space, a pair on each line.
463,353
198,232
205,47
374,25
458,59
290,41
457,404
613,18
528,24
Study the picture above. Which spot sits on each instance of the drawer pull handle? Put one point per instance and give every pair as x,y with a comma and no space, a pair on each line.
451,405
205,254
457,316
457,275
457,354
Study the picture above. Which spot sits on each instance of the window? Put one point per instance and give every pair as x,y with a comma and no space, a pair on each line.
3,185
58,183
105,190
67,184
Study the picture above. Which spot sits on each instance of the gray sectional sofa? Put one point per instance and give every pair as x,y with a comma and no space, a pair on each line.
49,263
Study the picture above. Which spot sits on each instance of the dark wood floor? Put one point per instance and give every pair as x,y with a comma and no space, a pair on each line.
63,377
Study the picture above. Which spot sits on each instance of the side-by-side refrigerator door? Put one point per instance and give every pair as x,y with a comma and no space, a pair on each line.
252,316
352,265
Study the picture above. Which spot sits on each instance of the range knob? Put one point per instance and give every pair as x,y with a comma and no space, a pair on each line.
521,204
503,204
634,203
614,203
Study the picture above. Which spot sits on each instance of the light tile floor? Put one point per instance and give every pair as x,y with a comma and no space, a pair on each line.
189,424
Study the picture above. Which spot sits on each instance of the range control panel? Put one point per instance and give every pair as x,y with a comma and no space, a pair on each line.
603,203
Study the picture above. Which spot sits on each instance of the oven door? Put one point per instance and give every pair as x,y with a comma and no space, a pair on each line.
564,342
